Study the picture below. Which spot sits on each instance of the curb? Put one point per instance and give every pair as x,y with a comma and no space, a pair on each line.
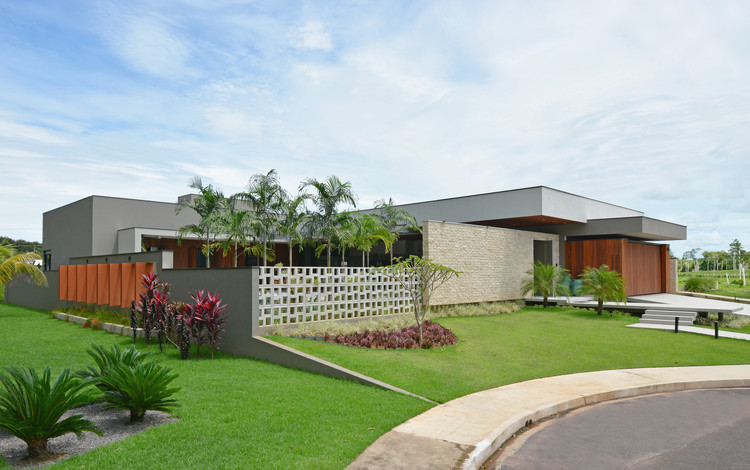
470,429
108,327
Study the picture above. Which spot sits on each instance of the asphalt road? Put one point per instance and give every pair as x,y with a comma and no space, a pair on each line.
700,429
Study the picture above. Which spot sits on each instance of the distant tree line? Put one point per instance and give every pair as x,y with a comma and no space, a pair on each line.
735,258
22,246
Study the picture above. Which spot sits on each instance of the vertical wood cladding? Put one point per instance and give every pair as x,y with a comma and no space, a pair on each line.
644,267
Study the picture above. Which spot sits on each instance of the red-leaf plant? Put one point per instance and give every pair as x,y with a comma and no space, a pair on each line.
208,314
152,308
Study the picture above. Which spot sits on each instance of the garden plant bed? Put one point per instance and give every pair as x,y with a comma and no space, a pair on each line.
434,336
112,423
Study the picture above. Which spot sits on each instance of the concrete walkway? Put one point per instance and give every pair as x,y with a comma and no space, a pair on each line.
659,302
693,329
465,432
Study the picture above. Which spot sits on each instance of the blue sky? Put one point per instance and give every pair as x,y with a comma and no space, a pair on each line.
639,103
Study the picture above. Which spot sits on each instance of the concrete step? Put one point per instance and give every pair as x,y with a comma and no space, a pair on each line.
671,314
651,316
665,321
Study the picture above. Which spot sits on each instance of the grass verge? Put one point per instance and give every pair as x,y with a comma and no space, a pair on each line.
531,343
235,413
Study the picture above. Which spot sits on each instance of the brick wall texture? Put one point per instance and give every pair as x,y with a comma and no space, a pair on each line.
493,261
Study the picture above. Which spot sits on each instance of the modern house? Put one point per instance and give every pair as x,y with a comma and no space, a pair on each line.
492,238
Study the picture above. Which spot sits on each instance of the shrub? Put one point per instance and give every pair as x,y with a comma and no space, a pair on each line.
208,314
139,388
697,284
31,407
150,311
433,335
105,359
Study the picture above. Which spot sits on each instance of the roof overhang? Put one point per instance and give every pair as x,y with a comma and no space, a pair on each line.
637,228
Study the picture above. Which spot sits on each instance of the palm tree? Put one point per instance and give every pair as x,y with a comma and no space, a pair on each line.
265,194
209,205
546,280
328,195
293,219
604,285
235,225
368,232
13,265
396,219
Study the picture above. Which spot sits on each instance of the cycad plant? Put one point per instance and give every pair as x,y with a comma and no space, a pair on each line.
546,280
32,405
106,359
139,388
604,285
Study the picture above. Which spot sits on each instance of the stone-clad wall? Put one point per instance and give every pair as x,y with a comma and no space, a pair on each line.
494,260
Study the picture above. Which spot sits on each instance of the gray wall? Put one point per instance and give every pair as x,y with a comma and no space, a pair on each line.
89,227
22,292
238,289
67,231
112,214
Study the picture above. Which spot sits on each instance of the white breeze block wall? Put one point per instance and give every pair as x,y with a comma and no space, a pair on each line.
305,294
494,260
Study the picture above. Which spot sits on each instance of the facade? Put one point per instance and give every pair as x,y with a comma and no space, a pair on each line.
492,238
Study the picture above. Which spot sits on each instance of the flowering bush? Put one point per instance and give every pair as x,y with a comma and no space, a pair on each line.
433,336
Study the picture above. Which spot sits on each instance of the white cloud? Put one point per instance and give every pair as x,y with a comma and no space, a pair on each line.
148,44
312,35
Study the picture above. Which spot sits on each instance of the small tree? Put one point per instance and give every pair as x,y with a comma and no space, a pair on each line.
604,285
546,280
420,277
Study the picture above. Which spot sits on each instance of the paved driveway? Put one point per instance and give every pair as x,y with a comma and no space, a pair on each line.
699,429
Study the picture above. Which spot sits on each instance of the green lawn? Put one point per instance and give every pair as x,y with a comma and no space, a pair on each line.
236,412
532,343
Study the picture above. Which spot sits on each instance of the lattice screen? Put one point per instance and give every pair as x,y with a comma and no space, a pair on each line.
304,294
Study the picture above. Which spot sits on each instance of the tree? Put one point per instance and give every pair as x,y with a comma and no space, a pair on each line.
265,194
604,285
293,217
236,225
327,196
420,277
209,205
395,219
14,265
546,280
735,249
368,232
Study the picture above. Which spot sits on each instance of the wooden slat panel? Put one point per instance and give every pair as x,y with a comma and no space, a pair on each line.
80,283
115,285
644,269
127,292
92,283
72,281
580,254
62,286
102,294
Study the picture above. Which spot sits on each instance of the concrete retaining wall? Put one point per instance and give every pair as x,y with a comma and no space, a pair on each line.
494,260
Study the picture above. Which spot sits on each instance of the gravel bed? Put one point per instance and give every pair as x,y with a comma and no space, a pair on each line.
113,423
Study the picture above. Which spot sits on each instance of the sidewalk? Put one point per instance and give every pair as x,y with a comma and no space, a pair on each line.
465,432
693,329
